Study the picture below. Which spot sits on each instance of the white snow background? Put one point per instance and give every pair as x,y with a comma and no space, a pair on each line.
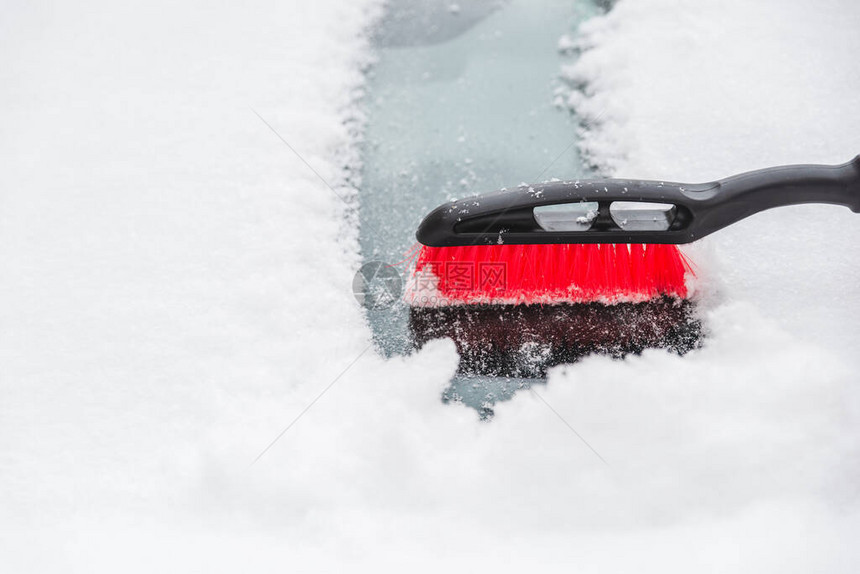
175,288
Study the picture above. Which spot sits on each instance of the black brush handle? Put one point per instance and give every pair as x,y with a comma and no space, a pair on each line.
700,209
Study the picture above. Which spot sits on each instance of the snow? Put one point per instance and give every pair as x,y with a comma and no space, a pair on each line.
175,288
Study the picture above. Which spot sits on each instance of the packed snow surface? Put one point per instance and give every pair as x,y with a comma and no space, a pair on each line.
175,290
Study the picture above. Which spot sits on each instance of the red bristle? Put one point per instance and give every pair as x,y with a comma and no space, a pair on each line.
640,285
622,270
592,285
555,273
661,265
526,281
610,271
675,267
577,271
508,257
652,271
664,265
563,265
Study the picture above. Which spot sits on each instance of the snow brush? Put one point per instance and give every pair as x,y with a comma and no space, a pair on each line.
526,278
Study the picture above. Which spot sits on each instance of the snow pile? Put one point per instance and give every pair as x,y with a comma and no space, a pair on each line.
175,290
